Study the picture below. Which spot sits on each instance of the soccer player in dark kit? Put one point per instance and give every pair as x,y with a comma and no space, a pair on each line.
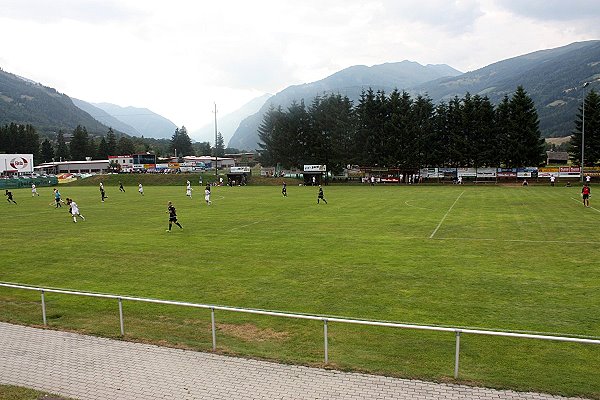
284,190
320,196
172,216
102,192
9,197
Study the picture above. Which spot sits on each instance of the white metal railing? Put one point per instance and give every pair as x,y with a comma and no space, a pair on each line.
325,320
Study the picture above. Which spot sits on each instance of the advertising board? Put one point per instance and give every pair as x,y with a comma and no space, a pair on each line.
315,168
16,163
239,170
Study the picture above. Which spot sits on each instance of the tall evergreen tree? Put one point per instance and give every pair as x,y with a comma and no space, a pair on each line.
528,145
111,143
219,150
592,132
103,152
503,133
47,151
181,144
79,145
422,118
62,150
268,134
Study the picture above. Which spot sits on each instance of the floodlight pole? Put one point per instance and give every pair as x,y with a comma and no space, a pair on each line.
216,162
583,130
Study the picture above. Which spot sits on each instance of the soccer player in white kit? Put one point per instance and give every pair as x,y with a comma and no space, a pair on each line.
34,190
207,195
74,210
188,190
141,189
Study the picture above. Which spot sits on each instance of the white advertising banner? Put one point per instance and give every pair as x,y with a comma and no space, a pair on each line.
486,172
239,170
16,163
315,168
468,172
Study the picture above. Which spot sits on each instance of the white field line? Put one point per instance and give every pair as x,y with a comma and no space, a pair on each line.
407,202
445,215
516,240
580,202
244,226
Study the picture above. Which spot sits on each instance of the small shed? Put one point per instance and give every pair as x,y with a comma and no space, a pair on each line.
314,174
557,157
238,176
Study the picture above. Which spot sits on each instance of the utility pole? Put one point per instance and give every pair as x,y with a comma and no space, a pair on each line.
216,161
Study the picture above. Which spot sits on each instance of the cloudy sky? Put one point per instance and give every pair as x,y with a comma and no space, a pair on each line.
179,57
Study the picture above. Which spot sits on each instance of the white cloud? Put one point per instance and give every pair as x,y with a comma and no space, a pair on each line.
178,57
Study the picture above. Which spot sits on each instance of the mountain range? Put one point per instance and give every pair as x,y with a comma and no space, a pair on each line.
553,78
349,82
23,101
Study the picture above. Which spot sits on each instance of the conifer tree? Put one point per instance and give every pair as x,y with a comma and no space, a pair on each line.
592,132
47,151
219,150
527,144
62,150
111,142
103,152
181,144
79,145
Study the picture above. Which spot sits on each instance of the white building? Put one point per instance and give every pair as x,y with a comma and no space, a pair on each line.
222,162
74,167
126,162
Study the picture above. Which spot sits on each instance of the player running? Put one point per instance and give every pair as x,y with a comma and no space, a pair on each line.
188,190
74,209
141,189
57,198
585,194
207,195
102,192
9,197
320,196
34,190
172,216
121,188
284,190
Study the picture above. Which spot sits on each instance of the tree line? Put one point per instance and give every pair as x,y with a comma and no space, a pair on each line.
399,131
79,144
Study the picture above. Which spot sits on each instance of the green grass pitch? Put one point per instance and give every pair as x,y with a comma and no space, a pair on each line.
501,258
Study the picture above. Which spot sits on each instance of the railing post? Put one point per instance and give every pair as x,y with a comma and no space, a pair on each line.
326,344
214,330
121,317
457,355
44,308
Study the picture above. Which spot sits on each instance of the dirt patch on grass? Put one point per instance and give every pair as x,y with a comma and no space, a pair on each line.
252,333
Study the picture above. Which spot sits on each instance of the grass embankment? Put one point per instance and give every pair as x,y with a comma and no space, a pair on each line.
19,393
503,258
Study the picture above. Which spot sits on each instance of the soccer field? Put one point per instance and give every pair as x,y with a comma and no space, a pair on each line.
501,258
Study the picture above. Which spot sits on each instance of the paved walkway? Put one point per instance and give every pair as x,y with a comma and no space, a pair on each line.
87,367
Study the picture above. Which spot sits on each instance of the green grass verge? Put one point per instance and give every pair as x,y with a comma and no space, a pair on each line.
502,258
18,393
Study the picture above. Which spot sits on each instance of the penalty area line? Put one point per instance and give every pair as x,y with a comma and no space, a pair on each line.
445,215
514,240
